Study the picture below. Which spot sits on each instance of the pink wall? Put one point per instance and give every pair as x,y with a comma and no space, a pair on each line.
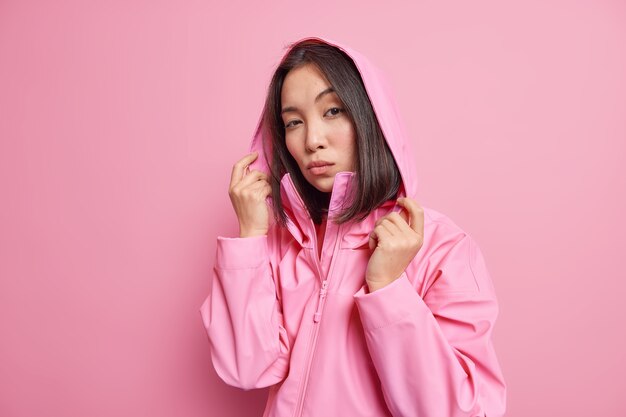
119,124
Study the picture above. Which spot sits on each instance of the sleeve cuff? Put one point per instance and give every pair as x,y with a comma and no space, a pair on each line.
389,304
241,252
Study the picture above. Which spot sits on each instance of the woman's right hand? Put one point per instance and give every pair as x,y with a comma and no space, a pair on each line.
247,192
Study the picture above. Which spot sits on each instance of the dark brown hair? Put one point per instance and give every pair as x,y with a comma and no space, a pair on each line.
377,175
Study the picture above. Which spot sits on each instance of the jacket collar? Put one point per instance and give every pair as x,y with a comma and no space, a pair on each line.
353,234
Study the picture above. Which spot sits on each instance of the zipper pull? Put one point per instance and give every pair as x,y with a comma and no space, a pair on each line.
318,311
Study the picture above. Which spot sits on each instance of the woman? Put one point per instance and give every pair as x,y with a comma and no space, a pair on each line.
352,299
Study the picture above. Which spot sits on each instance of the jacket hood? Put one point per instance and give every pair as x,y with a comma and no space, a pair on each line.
385,107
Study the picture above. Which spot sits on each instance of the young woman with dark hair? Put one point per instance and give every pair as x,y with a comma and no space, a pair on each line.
379,177
352,299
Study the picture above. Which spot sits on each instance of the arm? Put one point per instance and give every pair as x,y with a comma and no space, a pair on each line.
435,356
243,317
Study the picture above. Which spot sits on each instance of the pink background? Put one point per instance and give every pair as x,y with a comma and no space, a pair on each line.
119,124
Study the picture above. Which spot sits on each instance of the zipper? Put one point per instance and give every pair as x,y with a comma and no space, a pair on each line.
320,301
317,316
313,335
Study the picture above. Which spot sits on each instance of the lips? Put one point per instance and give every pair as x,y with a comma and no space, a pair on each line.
315,164
319,167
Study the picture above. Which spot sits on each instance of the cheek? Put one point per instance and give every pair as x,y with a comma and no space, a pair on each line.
291,147
348,142
347,134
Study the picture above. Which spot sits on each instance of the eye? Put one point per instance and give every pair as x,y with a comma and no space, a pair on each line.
333,110
288,125
336,110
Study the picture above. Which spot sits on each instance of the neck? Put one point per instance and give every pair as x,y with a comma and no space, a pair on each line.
322,224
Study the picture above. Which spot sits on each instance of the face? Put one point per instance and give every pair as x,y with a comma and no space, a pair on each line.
319,133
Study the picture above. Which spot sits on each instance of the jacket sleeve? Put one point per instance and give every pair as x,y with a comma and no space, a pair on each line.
434,355
242,315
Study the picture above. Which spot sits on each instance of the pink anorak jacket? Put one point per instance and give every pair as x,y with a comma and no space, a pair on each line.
279,317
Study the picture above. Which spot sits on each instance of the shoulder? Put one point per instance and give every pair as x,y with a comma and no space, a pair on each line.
441,226
445,241
454,258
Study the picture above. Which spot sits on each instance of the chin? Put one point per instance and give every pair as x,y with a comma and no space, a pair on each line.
325,190
325,185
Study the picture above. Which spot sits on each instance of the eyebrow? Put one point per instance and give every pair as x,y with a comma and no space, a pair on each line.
319,96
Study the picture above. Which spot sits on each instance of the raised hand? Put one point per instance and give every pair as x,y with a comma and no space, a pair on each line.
247,191
395,240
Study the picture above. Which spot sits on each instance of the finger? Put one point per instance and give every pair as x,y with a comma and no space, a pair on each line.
392,219
259,190
416,214
404,214
390,226
382,218
267,190
251,178
259,185
400,222
381,234
373,240
239,169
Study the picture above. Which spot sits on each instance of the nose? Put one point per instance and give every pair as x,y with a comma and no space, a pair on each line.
315,138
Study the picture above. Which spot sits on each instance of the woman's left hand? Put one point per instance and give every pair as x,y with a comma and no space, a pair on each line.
396,239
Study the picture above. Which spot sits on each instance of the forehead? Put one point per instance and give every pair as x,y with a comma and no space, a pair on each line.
302,84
